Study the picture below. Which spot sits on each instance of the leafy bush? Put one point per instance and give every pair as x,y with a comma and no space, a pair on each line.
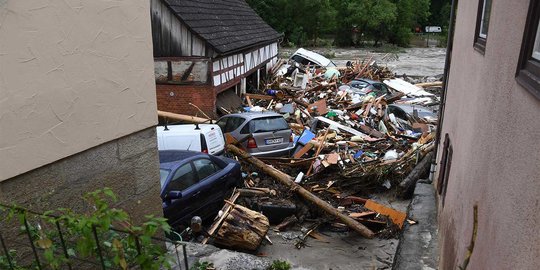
118,249
279,265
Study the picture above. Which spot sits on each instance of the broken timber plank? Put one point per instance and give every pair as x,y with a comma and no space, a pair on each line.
397,217
363,214
288,181
303,151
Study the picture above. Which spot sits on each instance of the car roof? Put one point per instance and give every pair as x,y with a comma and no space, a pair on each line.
366,80
253,115
186,127
169,159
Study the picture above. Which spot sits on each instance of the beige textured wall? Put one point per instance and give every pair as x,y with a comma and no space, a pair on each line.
494,126
73,75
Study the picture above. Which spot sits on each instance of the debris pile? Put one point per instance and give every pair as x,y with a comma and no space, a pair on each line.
357,130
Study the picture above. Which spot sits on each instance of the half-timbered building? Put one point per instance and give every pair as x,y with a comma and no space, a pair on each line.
208,52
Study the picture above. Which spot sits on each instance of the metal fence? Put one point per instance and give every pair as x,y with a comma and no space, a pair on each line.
30,253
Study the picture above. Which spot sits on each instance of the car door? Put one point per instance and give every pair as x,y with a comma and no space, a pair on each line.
212,185
180,210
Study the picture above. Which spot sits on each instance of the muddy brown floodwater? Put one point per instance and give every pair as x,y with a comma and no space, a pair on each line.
410,61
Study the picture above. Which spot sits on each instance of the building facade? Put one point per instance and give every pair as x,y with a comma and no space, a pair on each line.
77,104
208,52
489,155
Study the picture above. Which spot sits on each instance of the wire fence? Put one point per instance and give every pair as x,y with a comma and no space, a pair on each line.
24,245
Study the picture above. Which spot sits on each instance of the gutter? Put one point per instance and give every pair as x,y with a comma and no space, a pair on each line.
442,107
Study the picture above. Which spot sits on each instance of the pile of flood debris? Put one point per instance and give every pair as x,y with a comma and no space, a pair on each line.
357,130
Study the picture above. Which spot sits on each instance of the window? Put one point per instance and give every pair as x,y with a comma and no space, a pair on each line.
204,168
163,174
183,178
528,71
268,124
222,123
380,89
230,124
233,124
446,162
482,25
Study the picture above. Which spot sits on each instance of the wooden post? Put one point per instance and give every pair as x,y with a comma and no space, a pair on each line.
288,181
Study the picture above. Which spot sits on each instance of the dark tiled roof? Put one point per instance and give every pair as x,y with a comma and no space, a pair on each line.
227,25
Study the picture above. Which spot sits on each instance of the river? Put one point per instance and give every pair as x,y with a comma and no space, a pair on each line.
410,61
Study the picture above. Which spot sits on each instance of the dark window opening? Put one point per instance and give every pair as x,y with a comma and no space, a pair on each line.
446,162
482,25
528,70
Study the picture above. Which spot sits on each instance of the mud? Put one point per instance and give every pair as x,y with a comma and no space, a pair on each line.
344,250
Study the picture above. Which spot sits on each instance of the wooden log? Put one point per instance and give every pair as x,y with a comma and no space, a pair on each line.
183,117
242,229
226,210
406,187
252,192
288,181
430,84
289,221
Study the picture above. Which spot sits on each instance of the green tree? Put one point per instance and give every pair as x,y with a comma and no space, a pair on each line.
302,21
411,13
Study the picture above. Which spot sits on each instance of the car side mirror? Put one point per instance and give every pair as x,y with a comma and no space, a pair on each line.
173,195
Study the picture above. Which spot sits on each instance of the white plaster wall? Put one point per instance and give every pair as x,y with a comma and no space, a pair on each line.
494,126
73,74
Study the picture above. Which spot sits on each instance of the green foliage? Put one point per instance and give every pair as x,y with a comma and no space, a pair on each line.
119,249
202,266
4,263
350,22
279,265
301,21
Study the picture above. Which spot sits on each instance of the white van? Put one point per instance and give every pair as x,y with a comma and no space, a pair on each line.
206,138
306,57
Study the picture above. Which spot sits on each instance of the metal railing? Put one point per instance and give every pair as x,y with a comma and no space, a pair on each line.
71,260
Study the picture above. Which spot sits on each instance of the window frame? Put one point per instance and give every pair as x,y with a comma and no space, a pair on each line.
479,40
528,69
444,169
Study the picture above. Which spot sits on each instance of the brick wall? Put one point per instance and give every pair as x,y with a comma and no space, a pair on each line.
201,95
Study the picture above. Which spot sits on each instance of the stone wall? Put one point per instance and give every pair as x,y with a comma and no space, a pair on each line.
128,165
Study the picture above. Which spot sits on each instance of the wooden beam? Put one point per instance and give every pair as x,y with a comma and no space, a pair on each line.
288,181
183,117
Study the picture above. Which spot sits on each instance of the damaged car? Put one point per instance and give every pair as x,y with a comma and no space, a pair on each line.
195,184
265,134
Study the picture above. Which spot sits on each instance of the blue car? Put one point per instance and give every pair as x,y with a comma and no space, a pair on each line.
195,184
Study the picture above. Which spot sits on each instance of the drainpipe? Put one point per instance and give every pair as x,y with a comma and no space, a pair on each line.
442,106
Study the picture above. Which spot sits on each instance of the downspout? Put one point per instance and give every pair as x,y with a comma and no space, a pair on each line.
442,106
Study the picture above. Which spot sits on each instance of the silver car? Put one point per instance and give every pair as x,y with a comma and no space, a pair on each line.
264,134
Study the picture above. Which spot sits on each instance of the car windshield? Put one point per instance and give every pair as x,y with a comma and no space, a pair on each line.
268,124
163,174
359,84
